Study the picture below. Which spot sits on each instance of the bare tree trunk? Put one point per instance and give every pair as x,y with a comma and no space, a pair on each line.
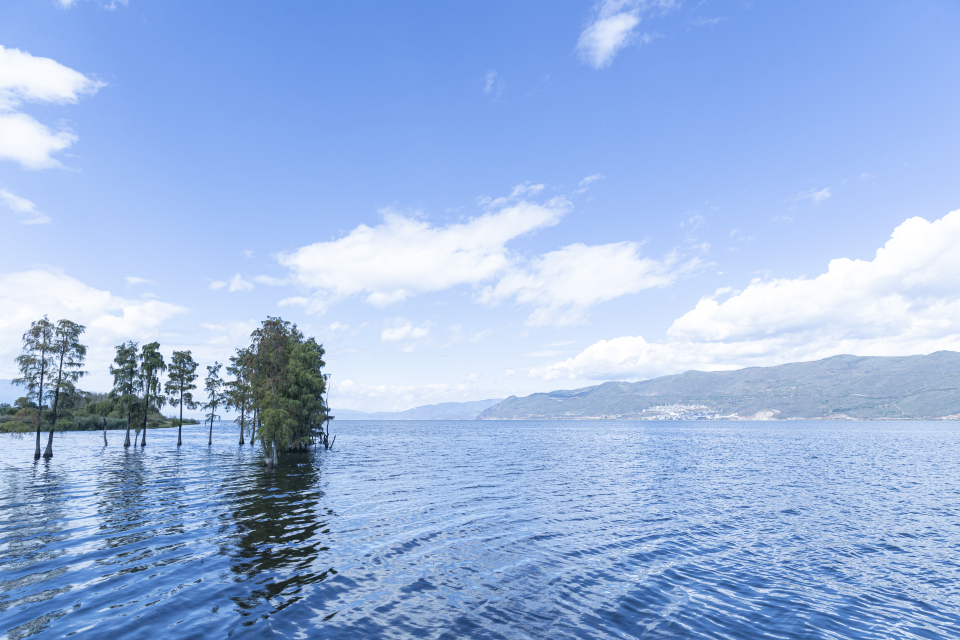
210,441
180,426
48,452
104,432
126,441
146,412
36,456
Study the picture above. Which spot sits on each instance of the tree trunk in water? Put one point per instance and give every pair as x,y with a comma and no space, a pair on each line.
210,440
104,432
126,441
146,410
276,463
48,452
180,426
36,456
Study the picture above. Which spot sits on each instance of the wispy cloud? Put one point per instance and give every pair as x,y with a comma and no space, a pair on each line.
613,28
492,84
403,331
815,196
26,78
134,280
25,208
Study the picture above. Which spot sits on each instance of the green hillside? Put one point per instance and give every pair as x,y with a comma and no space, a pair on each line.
867,388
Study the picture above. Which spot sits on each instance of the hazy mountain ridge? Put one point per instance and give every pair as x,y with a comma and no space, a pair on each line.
865,388
443,411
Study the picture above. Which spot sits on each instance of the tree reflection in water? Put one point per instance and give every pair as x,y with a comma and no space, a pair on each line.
280,536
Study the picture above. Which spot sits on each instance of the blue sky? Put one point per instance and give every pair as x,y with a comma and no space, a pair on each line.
471,201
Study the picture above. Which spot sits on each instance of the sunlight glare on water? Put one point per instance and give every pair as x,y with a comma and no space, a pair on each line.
490,530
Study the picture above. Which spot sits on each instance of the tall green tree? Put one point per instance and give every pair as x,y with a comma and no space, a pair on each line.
69,355
238,391
125,380
180,378
151,366
36,362
287,388
213,384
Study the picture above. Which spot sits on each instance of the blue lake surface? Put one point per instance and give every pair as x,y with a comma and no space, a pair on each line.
490,530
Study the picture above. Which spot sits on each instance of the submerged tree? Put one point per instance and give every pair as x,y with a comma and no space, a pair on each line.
214,386
69,356
125,380
36,361
239,393
287,388
182,373
151,365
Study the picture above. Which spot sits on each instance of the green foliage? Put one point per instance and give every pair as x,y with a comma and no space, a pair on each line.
69,355
125,376
213,384
180,378
36,361
286,386
151,366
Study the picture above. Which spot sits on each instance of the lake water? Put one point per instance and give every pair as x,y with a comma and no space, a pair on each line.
490,530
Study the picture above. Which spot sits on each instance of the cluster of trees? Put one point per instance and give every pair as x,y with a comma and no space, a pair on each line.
278,388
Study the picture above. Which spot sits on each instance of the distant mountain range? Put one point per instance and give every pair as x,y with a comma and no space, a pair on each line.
865,388
443,411
862,388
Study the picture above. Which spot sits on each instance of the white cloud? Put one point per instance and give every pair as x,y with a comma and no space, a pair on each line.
24,140
613,28
562,285
22,206
404,331
336,326
26,78
237,283
591,179
493,84
403,256
601,40
134,280
27,296
904,301
366,397
815,196
217,284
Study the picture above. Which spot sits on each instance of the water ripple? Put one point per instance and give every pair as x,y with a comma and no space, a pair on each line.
491,530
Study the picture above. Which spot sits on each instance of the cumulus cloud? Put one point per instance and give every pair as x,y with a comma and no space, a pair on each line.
26,209
26,296
237,283
563,284
613,28
403,256
904,301
27,78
